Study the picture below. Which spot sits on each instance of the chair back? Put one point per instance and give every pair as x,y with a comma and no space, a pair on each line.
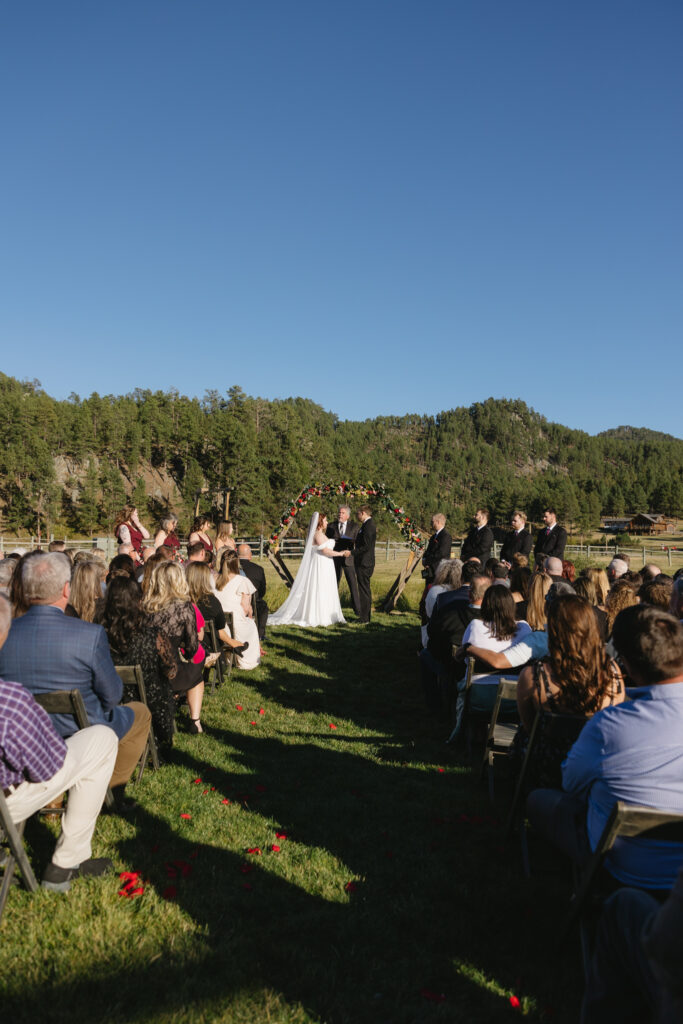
64,702
132,676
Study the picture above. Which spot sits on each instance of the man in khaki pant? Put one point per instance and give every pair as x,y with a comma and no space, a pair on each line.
47,650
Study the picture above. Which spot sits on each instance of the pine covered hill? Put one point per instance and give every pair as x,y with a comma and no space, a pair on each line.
73,463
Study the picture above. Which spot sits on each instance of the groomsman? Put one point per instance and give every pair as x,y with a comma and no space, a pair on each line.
438,548
479,541
364,560
344,529
551,540
518,541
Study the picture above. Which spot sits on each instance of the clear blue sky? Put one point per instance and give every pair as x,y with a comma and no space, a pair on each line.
386,207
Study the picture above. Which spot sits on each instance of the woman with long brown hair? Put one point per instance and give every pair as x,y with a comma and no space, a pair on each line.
622,595
129,530
577,677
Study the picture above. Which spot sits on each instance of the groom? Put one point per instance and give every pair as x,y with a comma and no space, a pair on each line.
344,530
364,560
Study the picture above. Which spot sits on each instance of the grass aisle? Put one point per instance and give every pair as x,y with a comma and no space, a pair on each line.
377,889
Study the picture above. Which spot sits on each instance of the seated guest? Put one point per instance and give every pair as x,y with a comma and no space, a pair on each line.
120,565
257,576
234,593
468,572
167,602
552,539
447,577
46,650
632,752
635,972
37,765
622,595
568,571
20,603
598,578
438,547
553,567
499,572
615,570
158,557
518,541
539,586
134,641
520,581
6,571
634,578
197,552
657,592
676,603
200,585
650,572
585,588
85,596
520,561
479,540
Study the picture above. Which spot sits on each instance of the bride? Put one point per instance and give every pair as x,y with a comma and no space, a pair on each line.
314,597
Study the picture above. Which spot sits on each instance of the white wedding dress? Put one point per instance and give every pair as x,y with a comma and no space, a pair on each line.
314,597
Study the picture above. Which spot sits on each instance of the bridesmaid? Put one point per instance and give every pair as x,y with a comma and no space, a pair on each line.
129,530
199,533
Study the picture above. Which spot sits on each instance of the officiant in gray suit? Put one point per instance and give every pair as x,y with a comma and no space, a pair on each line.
344,532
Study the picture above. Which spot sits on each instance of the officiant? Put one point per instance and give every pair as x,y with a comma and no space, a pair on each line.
343,532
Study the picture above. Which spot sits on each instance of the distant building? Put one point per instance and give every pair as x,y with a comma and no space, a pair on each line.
637,523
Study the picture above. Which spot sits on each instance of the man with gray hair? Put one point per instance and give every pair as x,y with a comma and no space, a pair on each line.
343,531
37,765
47,650
615,570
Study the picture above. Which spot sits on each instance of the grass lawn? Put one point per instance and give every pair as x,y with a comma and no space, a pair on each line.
382,891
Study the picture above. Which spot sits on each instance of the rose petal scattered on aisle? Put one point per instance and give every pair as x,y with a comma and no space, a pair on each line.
332,725
197,782
275,849
441,770
247,886
186,816
515,1003
252,723
205,792
351,887
280,835
170,892
246,868
433,997
239,707
225,800
261,711
256,850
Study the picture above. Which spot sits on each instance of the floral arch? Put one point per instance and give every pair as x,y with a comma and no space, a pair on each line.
350,490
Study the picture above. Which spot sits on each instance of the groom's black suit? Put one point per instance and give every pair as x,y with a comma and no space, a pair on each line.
346,565
364,561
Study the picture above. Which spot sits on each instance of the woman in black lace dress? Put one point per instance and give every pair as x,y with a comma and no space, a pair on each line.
133,640
167,602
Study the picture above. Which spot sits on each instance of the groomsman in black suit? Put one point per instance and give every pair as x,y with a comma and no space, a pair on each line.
479,540
551,540
364,560
344,530
518,541
438,548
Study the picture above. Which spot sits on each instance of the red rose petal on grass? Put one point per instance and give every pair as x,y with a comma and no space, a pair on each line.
441,770
261,711
275,849
213,789
280,835
170,892
184,868
239,707
171,871
247,886
225,801
205,792
246,868
515,1003
186,816
433,997
351,887
256,850
332,725
131,891
197,782
130,876
195,853
252,723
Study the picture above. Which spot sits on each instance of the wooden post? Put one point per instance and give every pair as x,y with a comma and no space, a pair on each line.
399,584
226,505
196,503
278,564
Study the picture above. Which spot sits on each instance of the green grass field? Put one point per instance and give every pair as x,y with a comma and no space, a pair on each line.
393,897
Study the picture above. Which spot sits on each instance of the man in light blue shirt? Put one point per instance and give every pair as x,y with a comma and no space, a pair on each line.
631,752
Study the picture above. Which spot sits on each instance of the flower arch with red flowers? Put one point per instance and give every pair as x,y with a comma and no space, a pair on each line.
350,490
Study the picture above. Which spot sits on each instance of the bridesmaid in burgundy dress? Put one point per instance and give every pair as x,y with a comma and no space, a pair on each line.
199,535
167,537
129,530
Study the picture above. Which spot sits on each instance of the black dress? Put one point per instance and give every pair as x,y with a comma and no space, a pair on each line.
152,651
212,610
178,623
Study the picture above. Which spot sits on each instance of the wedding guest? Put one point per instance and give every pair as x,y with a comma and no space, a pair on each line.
657,592
200,585
520,581
448,576
234,593
120,565
197,552
85,596
599,578
622,595
257,576
536,604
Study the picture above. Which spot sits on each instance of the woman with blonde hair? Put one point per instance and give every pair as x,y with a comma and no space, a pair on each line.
200,584
234,593
224,539
598,578
536,608
85,598
171,611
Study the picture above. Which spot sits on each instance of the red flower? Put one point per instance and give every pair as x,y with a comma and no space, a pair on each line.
186,816
280,835
170,892
275,849
332,725
197,782
261,711
225,801
205,792
441,770
252,723
255,850
239,707
515,1003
